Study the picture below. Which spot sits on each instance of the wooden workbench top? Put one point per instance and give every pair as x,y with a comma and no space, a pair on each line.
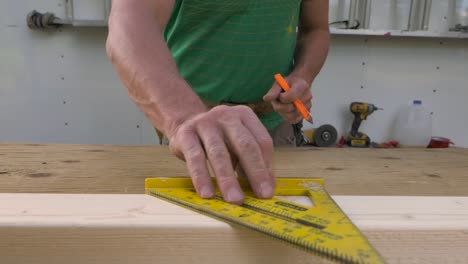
140,229
70,168
375,187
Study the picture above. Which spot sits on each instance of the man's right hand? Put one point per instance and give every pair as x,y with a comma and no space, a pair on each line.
220,136
137,48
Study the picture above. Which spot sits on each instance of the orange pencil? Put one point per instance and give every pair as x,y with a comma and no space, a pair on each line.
299,105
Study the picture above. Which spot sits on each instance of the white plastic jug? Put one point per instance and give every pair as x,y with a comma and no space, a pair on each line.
413,126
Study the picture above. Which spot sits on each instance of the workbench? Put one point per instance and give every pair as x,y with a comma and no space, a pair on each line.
85,204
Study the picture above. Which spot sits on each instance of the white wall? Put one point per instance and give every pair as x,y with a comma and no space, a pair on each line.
60,87
390,72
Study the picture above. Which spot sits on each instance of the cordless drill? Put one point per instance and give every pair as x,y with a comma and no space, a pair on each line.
361,111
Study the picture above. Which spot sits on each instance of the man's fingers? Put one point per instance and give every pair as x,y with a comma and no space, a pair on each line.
283,108
220,161
308,104
195,159
240,172
263,138
227,137
251,160
255,157
288,111
297,120
307,96
273,93
292,117
284,103
291,95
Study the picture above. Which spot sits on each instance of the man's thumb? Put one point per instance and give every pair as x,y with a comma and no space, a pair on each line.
273,93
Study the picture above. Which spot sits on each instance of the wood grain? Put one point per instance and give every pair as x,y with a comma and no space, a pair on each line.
112,228
68,168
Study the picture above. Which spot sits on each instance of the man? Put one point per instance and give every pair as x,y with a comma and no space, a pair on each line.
202,72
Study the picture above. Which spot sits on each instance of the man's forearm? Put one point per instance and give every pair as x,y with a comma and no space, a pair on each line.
311,53
137,49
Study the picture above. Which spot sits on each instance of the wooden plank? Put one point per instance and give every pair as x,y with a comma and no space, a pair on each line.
62,168
111,228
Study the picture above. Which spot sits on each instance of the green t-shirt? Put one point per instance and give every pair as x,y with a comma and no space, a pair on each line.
229,50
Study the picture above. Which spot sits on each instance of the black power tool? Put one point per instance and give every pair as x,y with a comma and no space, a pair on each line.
361,111
323,136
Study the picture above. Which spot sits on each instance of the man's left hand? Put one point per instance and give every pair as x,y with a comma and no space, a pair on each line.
283,102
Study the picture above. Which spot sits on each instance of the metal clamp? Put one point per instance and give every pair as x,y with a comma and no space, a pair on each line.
41,21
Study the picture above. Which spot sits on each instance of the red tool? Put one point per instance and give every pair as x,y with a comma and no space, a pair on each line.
389,144
440,142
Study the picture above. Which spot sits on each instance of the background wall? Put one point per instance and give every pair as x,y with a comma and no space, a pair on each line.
59,86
